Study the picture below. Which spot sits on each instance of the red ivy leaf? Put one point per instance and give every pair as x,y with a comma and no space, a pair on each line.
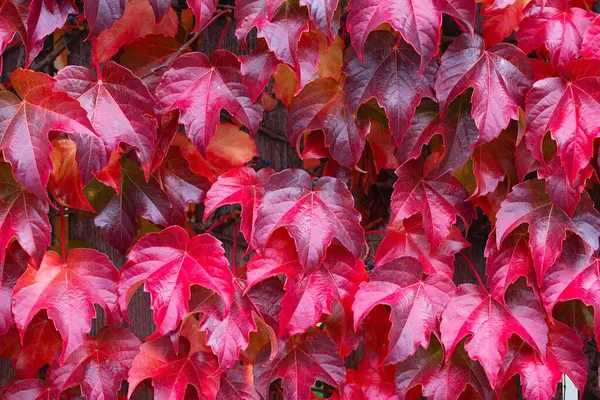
171,373
391,75
411,241
200,87
548,224
441,380
416,304
298,365
43,19
558,27
419,21
27,389
12,266
474,312
322,105
98,365
539,378
41,345
239,186
118,104
257,68
25,125
500,78
283,30
237,383
22,215
322,13
68,290
168,263
10,25
566,109
312,215
590,47
506,264
439,201
203,11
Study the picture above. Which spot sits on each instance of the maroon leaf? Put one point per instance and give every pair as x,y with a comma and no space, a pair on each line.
98,365
239,186
168,263
312,215
118,104
416,304
203,11
439,201
102,14
171,373
419,22
556,26
200,87
322,13
322,105
25,124
391,75
548,224
500,78
68,290
118,220
10,25
474,312
298,365
456,127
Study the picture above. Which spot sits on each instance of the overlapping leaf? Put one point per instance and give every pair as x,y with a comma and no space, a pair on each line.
500,78
312,215
168,263
68,290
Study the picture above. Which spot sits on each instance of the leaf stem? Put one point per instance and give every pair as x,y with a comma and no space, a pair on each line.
236,232
62,234
470,264
220,222
187,44
96,61
223,33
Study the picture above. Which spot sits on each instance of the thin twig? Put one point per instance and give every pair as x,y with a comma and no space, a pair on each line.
187,44
38,66
224,33
273,135
473,270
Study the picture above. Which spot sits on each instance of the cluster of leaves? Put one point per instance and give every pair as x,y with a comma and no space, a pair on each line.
486,112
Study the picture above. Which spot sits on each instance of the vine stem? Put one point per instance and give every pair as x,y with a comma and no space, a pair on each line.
187,44
473,270
62,234
96,61
220,222
376,232
236,231
223,33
